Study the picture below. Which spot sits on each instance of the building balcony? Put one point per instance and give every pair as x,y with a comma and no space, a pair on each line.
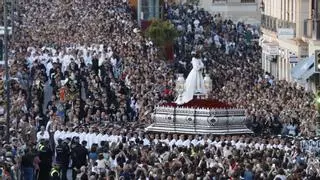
311,29
219,2
235,2
269,23
273,24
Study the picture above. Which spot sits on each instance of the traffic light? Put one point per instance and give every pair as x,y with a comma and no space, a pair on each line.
317,60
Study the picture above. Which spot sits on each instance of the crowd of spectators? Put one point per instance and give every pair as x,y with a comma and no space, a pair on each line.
230,53
84,82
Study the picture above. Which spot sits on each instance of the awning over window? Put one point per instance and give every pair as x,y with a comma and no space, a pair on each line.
303,70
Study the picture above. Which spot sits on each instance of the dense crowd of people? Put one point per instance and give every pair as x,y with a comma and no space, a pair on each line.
84,82
230,56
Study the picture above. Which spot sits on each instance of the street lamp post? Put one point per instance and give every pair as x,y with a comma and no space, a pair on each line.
7,79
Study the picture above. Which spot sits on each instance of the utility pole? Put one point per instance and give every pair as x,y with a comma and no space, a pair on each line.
7,79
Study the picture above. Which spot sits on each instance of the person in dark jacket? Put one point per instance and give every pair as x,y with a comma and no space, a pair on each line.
27,165
63,157
79,155
45,156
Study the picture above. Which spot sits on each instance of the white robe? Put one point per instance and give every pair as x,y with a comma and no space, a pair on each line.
56,136
82,137
186,143
99,138
40,136
91,139
194,82
105,138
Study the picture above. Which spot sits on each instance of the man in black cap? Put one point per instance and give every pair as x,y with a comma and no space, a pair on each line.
63,157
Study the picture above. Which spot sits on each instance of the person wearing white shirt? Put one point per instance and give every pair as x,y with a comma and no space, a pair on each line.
172,142
214,143
233,142
82,135
287,148
30,60
269,146
146,141
95,140
163,139
48,126
238,145
113,61
169,139
196,23
195,141
187,142
227,151
75,133
156,139
113,138
257,146
281,145
189,28
89,138
49,66
109,53
56,135
180,141
217,40
88,59
42,134
132,139
105,137
262,147
100,136
63,134
69,133
217,142
205,140
101,59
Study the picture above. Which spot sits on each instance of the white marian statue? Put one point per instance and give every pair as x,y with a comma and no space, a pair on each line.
194,83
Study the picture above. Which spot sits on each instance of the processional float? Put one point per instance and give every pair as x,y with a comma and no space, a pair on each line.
194,112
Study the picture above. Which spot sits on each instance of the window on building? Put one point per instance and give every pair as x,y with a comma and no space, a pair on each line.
248,1
219,1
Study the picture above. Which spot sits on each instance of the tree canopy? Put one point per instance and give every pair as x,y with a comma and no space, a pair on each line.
161,32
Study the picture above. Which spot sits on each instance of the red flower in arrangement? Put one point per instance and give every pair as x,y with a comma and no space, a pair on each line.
202,103
167,91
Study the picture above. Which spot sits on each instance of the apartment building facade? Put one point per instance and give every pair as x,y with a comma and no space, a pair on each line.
290,37
237,10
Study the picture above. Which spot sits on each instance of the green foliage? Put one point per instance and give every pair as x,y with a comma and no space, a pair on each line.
161,32
195,2
317,101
